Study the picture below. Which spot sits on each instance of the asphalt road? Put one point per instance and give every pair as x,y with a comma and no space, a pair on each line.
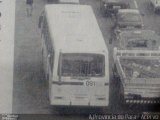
30,90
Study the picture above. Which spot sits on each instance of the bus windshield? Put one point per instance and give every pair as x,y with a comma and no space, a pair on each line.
82,65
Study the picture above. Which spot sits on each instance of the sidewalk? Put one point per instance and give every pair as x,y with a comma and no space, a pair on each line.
29,90
7,21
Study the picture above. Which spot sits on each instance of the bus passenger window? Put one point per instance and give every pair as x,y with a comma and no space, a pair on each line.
51,60
40,21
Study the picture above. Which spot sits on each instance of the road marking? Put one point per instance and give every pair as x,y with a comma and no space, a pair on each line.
135,4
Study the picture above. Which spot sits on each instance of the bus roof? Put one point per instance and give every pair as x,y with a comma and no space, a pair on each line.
74,29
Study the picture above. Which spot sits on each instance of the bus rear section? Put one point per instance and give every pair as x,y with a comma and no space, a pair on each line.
81,80
75,56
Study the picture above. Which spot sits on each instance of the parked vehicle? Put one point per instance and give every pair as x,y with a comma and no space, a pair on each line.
137,40
136,66
156,5
128,18
110,7
137,73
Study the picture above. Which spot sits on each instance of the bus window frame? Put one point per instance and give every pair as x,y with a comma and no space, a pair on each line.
103,69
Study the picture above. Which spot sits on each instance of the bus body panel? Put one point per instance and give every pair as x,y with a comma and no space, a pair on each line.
75,90
80,95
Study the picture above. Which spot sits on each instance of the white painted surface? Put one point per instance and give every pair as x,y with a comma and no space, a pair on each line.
7,21
76,28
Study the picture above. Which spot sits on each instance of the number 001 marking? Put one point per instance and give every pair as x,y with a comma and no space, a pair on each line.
90,83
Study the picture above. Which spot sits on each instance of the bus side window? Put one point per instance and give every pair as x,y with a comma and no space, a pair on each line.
50,49
40,21
44,27
51,52
48,43
46,35
41,17
51,60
